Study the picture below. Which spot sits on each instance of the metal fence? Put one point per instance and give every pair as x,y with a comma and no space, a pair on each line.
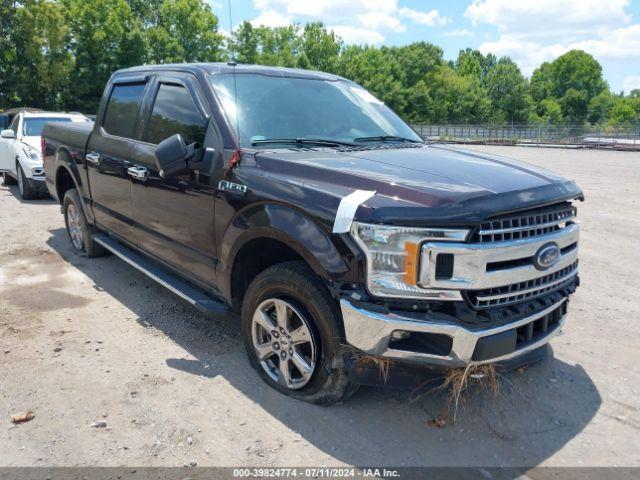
569,136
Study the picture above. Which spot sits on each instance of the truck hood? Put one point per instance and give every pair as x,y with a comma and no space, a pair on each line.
435,182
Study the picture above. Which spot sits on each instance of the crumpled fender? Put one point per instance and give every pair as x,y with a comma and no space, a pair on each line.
318,247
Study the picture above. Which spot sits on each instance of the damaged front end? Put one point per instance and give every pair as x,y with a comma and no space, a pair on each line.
496,294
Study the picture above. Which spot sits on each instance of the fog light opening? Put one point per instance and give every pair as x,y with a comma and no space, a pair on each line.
427,343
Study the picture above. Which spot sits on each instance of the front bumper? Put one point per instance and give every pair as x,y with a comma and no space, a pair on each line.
446,343
38,184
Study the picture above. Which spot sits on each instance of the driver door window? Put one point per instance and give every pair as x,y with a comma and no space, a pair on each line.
174,111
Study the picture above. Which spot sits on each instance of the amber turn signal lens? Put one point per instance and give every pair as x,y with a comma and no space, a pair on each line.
411,263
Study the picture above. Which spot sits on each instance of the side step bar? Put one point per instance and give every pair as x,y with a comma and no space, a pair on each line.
181,288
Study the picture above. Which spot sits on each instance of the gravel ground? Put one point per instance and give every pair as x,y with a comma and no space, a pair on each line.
87,341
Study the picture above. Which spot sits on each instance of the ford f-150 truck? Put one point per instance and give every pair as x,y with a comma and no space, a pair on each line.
301,201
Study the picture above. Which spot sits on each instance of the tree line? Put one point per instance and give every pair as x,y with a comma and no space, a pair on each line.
58,54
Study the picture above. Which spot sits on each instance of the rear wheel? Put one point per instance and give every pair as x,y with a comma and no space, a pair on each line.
290,326
79,230
24,188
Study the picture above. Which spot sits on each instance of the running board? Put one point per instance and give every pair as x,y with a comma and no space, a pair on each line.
181,288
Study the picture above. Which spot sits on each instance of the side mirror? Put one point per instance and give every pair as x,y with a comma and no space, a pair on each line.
174,156
8,134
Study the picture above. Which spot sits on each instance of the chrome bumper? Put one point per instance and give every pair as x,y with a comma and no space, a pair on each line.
371,332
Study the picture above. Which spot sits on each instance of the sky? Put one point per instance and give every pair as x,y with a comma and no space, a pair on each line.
528,31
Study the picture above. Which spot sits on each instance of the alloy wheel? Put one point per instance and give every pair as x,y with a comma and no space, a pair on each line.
283,343
74,226
20,181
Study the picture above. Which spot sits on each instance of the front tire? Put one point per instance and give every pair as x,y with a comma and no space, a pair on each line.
290,327
24,188
8,180
79,230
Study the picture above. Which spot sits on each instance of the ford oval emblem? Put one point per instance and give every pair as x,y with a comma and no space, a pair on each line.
547,256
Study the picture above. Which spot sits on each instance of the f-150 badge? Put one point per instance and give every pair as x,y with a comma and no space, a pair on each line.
232,187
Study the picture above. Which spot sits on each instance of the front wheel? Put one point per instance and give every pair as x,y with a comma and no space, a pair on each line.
290,326
8,180
24,187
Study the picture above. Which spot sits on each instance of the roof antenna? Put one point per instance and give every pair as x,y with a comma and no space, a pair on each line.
236,156
232,60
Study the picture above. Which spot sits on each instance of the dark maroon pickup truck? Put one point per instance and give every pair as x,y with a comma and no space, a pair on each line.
301,201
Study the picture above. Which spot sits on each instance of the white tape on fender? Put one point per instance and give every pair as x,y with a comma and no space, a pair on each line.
347,209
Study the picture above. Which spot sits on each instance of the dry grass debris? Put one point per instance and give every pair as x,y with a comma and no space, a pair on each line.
461,385
362,360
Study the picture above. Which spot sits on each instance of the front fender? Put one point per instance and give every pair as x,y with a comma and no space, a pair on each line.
330,256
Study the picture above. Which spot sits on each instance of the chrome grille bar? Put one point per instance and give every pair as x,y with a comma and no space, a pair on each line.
526,225
530,289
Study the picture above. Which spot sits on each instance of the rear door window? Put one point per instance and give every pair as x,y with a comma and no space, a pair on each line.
123,109
175,111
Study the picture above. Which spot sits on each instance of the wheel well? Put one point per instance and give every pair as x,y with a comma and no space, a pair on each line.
254,257
64,182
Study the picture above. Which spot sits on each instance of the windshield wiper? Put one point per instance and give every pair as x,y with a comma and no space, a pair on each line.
302,141
385,138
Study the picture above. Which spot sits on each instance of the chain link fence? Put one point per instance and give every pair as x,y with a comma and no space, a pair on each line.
569,136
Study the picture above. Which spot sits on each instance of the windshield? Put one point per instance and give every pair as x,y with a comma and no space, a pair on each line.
33,126
293,108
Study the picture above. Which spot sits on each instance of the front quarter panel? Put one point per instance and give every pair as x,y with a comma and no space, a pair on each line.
266,215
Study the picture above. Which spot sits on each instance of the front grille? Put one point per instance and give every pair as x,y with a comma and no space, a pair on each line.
534,331
527,224
518,292
520,337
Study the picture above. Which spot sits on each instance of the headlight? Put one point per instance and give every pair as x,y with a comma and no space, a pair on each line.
31,152
393,256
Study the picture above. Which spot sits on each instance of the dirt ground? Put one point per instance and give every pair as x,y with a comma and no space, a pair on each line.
85,341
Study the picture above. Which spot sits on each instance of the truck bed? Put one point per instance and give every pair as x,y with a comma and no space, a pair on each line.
73,135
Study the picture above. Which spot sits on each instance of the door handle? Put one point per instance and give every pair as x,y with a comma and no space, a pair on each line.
139,173
93,158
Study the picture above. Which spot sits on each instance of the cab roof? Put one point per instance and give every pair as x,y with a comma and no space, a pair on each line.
222,68
42,114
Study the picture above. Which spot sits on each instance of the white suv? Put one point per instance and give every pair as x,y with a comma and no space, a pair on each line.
20,150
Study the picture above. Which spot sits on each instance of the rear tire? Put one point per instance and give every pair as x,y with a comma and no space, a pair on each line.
79,230
24,188
313,369
8,180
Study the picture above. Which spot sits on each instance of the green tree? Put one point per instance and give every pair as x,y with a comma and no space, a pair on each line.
378,70
36,63
417,61
184,31
599,107
573,79
8,53
473,63
508,91
243,45
104,36
541,85
319,48
575,105
458,99
625,112
548,111
279,46
579,71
